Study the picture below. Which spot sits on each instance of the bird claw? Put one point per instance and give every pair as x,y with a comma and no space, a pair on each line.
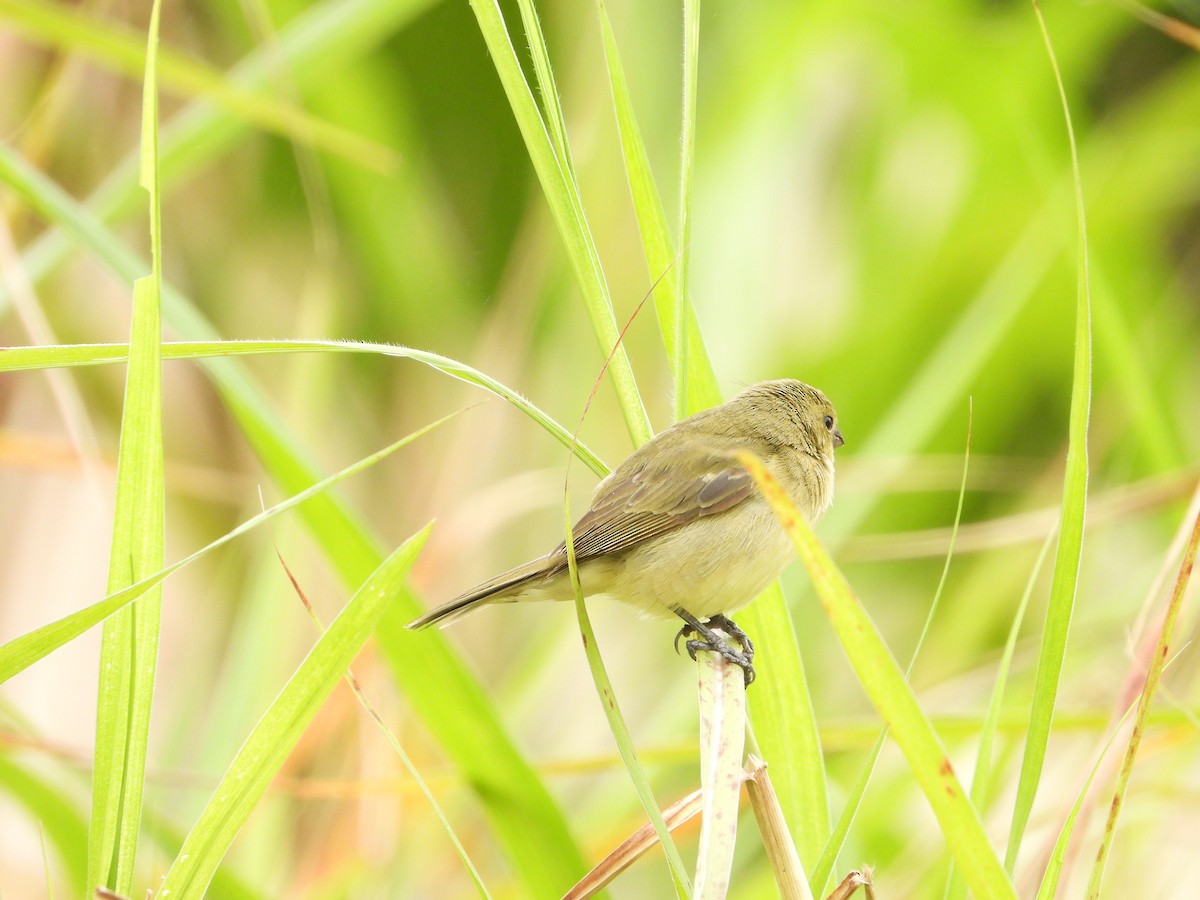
707,639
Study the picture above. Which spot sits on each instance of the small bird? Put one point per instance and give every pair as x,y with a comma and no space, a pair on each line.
678,529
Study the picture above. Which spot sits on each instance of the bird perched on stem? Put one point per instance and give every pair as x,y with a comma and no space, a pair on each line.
678,529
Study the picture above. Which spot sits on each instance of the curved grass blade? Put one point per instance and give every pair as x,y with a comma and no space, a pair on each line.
427,670
888,691
18,358
272,740
1074,504
111,46
129,646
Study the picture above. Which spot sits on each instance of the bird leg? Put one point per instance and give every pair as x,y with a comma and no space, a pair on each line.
707,639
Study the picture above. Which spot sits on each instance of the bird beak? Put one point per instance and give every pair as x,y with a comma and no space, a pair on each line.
838,440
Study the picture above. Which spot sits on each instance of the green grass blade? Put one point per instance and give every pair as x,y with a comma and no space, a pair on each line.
889,692
701,390
21,358
272,740
21,652
129,646
556,123
85,36
687,159
562,195
1074,503
616,721
1153,677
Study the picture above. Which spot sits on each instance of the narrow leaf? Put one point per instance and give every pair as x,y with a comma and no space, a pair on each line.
891,695
129,646
1074,504
562,195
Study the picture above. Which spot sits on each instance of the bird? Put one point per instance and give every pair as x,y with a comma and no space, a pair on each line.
679,528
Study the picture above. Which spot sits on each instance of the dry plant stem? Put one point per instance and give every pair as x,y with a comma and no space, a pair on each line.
773,829
633,847
1139,726
851,883
722,694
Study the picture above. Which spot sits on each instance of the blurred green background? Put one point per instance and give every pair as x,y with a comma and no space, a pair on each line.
882,208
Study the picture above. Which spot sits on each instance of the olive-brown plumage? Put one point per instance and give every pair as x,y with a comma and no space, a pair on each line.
678,528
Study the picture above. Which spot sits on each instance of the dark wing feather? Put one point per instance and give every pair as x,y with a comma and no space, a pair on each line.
647,501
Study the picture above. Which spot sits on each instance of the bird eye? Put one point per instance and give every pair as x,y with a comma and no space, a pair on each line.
829,422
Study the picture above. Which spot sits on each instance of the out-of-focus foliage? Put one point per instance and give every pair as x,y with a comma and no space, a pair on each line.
882,207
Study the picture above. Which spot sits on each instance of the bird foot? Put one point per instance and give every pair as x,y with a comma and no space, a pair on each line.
706,638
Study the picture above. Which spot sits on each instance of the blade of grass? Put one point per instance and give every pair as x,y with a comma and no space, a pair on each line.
19,358
616,721
687,159
122,51
833,848
888,691
21,652
700,385
272,740
562,195
956,887
1153,677
1074,503
556,124
129,646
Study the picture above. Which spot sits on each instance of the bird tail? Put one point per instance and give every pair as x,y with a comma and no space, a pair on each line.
491,591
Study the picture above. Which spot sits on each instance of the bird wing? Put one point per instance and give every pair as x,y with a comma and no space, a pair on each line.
648,500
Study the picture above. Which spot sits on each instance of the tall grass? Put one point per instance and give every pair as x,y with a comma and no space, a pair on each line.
874,201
